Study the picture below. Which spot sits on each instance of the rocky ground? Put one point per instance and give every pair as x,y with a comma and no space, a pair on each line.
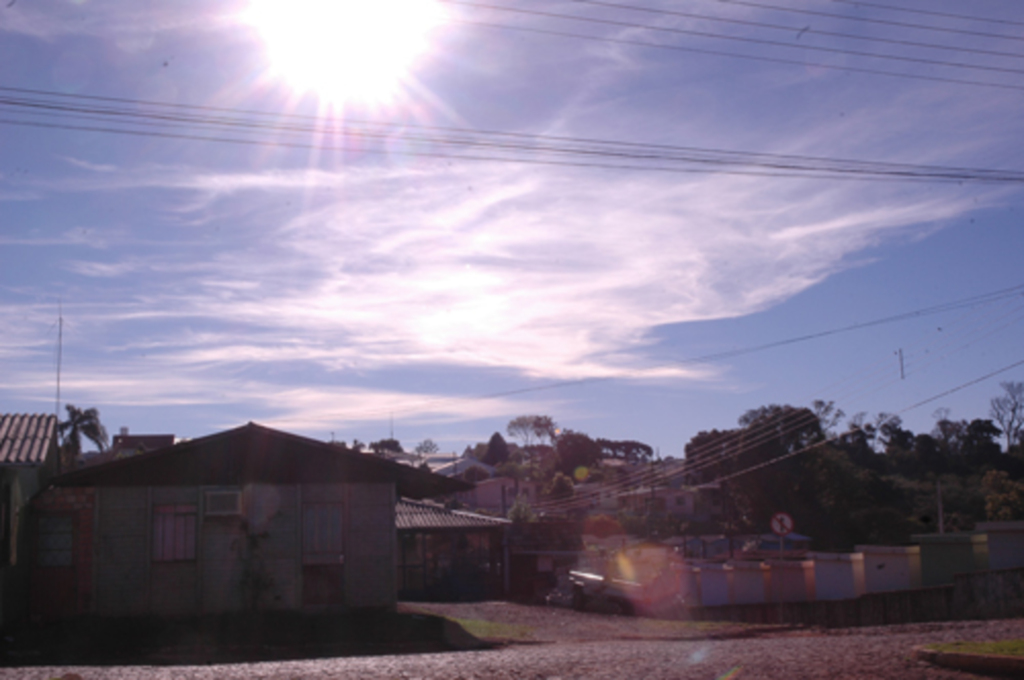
556,643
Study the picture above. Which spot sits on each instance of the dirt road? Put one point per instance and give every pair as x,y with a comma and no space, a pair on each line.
876,653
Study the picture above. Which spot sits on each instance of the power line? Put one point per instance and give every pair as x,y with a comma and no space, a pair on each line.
1013,291
798,30
743,39
869,20
150,114
737,55
925,12
702,457
983,299
924,402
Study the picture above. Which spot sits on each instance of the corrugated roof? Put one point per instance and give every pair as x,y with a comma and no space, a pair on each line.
25,438
422,515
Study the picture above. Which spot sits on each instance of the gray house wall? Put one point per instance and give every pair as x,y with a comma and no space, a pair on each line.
23,483
370,560
242,561
122,551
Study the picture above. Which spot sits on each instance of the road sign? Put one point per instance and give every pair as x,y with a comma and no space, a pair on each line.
782,524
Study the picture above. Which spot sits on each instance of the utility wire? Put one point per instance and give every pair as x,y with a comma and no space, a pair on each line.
924,12
703,457
924,402
869,20
737,55
796,30
716,160
743,39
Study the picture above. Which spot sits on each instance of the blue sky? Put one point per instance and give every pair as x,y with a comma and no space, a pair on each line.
205,284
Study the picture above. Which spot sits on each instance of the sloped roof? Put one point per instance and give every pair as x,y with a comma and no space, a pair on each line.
25,439
460,465
254,453
425,515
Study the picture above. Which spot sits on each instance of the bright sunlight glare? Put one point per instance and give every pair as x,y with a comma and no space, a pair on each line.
344,50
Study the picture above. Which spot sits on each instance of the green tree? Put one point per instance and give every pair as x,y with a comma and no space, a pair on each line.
386,446
497,450
532,429
1004,499
521,512
80,423
576,450
560,487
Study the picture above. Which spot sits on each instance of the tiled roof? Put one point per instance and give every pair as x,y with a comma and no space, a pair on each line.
422,515
25,439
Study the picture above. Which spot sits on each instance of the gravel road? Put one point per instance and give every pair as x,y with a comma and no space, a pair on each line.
877,653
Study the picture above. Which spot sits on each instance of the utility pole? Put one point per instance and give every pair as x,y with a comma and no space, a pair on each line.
938,495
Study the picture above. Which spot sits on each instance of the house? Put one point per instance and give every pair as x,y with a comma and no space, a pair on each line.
449,555
465,468
124,445
497,494
250,518
28,458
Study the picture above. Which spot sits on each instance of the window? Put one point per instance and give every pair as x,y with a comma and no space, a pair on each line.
174,533
56,541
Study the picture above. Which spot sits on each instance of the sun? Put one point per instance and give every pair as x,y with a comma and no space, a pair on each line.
345,51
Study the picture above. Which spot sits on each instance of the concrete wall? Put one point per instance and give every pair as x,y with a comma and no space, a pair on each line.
891,567
943,555
792,581
751,582
715,584
838,576
976,595
1005,544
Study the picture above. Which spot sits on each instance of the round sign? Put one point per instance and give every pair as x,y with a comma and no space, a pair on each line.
782,524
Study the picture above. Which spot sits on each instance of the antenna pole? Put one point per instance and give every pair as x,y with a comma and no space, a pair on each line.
60,354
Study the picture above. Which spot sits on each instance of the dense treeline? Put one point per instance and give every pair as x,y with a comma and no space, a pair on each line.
872,482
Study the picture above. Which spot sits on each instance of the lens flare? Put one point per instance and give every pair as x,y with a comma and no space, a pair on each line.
344,50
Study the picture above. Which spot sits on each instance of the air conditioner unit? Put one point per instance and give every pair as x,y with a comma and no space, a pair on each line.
223,503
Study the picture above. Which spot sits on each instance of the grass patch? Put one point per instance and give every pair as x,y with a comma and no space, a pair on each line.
492,630
1001,647
667,626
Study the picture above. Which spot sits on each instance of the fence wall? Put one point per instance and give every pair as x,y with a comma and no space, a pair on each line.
977,595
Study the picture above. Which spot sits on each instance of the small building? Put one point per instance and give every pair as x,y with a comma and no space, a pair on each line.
246,519
464,468
124,444
498,494
943,555
1005,544
28,458
449,555
891,567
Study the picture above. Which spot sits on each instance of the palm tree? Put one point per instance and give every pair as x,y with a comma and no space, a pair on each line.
80,423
